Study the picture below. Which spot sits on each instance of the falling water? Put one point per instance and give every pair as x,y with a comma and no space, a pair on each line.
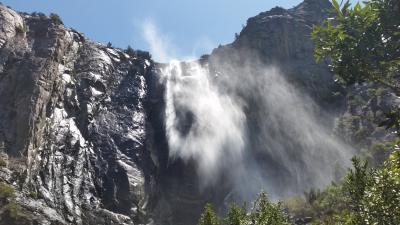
263,133
202,124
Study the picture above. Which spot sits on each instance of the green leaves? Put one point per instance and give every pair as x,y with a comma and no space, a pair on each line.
236,215
363,43
392,120
381,202
209,217
365,196
363,46
336,5
263,212
6,193
355,185
341,10
375,193
266,213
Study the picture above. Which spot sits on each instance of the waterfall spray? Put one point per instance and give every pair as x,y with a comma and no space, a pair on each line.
268,138
201,124
243,124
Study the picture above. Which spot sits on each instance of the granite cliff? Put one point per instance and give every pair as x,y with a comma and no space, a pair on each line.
73,123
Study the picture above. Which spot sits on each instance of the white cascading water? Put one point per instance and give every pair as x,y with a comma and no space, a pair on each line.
215,122
247,124
286,151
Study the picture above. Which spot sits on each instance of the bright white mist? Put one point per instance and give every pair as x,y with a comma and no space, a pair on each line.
202,124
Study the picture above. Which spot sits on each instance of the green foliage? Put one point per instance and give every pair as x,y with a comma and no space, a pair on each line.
266,213
341,218
365,196
6,192
209,217
12,210
364,43
381,200
56,19
263,212
297,206
355,185
375,194
330,201
3,162
318,206
236,215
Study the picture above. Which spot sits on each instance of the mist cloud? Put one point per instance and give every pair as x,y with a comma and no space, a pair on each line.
201,124
158,44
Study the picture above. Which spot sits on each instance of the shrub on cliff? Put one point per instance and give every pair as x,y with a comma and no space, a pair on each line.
10,212
6,193
56,19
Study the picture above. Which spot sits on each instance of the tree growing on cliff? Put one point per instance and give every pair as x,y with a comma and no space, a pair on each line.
56,19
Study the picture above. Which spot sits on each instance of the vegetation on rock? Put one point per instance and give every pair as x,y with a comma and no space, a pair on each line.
6,193
3,162
10,211
56,19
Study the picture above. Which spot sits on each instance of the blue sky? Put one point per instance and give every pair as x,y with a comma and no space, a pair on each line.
189,27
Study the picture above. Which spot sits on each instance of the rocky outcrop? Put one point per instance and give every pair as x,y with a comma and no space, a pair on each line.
363,122
73,123
282,38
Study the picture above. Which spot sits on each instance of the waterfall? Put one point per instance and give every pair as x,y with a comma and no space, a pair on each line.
249,124
201,123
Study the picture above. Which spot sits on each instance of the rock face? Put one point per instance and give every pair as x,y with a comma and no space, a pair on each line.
82,127
282,37
73,123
